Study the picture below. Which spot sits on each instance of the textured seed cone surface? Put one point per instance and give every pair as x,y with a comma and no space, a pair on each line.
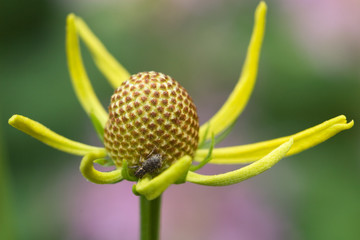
151,114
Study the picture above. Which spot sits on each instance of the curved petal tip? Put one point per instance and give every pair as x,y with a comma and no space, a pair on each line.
262,6
13,119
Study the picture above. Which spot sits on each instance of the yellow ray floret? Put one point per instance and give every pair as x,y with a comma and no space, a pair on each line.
152,188
45,135
90,173
108,65
238,99
302,141
244,173
80,80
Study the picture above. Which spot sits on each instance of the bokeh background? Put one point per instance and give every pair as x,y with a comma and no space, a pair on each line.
309,72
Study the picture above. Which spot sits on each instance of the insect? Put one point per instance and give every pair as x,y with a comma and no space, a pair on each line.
151,164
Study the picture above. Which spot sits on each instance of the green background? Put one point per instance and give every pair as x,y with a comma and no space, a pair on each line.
304,79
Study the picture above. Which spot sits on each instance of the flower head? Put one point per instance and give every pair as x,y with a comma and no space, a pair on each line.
151,133
151,114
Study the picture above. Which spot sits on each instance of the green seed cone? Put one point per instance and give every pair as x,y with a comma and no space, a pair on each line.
151,114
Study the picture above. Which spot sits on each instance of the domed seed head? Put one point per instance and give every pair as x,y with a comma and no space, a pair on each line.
151,114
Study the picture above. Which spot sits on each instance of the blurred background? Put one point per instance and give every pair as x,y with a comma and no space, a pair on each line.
309,72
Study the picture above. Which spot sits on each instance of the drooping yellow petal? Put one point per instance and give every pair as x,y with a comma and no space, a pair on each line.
236,102
90,173
243,173
45,135
80,80
112,69
152,188
302,141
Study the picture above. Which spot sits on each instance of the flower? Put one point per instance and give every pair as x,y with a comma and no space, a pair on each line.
262,155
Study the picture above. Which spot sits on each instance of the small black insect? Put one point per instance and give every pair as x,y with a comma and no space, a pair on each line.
150,165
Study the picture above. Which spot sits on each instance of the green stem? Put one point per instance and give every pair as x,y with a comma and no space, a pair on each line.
150,218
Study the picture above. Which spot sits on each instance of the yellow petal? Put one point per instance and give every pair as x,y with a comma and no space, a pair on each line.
302,141
90,173
112,69
236,102
243,173
80,80
45,135
152,188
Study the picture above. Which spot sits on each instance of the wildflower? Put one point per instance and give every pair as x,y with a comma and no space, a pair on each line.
171,134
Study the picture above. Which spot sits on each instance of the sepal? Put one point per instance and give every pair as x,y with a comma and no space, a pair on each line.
125,172
207,158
